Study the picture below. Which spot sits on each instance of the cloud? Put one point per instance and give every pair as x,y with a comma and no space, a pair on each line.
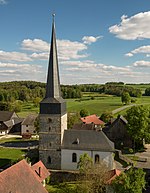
36,45
141,63
132,28
2,2
70,50
140,50
14,56
15,71
90,39
66,49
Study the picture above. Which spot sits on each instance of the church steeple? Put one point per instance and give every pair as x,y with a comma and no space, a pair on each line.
53,103
53,82
53,114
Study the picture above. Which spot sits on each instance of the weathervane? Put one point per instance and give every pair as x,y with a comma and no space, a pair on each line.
53,15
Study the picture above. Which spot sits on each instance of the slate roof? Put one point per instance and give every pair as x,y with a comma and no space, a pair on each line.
87,140
20,178
82,126
40,170
6,115
29,120
92,119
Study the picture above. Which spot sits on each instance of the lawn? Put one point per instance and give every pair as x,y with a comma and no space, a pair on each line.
98,105
62,187
10,155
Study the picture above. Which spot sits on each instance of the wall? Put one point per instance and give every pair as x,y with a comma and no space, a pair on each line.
67,164
30,128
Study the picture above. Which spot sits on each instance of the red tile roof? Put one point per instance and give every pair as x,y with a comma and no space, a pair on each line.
20,178
92,119
113,174
40,170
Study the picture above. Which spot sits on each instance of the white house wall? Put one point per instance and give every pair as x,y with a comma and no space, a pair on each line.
66,158
29,128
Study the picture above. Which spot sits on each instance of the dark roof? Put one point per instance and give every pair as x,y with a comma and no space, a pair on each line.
29,120
53,82
9,123
6,115
20,178
40,170
87,140
82,126
92,119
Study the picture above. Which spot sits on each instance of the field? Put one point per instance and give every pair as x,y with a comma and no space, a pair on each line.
97,105
10,155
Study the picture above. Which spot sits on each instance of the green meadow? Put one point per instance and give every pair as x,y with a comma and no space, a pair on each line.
95,103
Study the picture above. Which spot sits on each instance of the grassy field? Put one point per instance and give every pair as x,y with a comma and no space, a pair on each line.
10,155
100,104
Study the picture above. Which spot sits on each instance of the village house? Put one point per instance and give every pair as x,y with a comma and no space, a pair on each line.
27,126
9,123
92,119
23,178
116,131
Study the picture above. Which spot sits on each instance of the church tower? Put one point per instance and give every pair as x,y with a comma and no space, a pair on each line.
53,115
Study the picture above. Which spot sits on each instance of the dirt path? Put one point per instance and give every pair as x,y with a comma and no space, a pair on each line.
127,106
122,108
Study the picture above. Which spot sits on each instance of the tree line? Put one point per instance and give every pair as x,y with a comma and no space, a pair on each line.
29,90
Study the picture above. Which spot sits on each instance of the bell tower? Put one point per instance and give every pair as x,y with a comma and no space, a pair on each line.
53,115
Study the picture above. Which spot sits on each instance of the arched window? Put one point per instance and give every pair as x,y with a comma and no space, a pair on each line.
96,158
49,160
74,157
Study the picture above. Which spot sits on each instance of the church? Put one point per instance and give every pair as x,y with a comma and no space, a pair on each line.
60,148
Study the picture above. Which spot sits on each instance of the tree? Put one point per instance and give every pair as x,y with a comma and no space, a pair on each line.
93,177
147,91
85,163
84,113
138,123
106,116
72,118
125,98
133,181
36,101
4,106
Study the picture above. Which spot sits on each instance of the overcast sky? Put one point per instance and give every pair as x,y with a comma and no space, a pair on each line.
98,40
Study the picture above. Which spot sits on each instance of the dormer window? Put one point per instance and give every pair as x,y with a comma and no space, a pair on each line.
76,141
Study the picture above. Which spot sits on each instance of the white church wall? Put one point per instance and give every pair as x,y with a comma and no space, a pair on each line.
66,158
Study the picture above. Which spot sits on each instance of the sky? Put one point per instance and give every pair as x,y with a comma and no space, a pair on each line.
98,41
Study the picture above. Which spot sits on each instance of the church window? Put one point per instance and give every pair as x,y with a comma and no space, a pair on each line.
74,157
96,158
49,120
50,128
27,131
49,160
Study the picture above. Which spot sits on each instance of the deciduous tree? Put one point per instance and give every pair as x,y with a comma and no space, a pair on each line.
138,123
133,181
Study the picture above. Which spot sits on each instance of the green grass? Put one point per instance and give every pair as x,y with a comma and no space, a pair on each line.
28,108
100,104
97,106
65,187
10,155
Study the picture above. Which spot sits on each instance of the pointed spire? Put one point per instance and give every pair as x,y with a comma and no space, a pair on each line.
53,82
